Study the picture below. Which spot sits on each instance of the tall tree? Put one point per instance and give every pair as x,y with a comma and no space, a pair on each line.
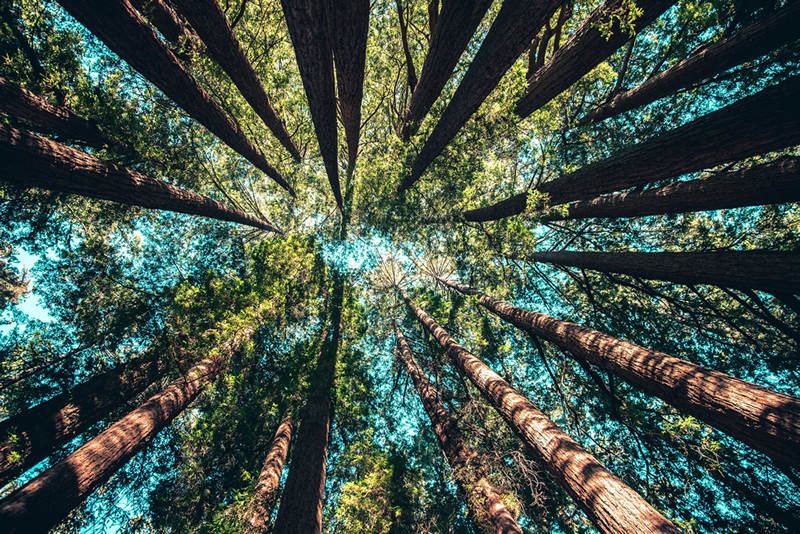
166,21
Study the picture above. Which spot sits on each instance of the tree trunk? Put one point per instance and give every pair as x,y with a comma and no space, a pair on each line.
264,496
610,504
29,437
749,269
771,183
450,36
309,24
349,31
411,76
583,52
211,24
27,160
761,418
46,500
484,502
166,21
300,510
515,26
770,117
751,42
124,31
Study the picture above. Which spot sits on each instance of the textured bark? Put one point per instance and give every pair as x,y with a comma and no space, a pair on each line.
211,24
349,31
35,433
308,23
749,43
123,30
771,183
27,160
515,26
770,117
264,496
450,36
764,419
166,21
300,510
583,52
46,500
483,500
19,102
610,504
750,269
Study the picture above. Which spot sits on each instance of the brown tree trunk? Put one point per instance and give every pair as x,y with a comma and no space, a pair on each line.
166,21
749,43
309,25
349,31
29,437
46,500
515,26
411,76
300,510
770,117
483,500
761,418
771,183
583,52
211,24
610,504
266,491
27,160
449,38
750,269
123,30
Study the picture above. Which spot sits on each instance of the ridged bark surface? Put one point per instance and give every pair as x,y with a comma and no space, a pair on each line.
46,500
764,419
27,160
125,32
611,505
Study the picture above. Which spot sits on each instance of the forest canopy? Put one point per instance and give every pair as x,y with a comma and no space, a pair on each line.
399,266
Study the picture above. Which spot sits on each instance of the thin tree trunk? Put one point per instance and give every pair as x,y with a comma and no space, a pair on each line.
763,419
166,21
411,77
27,160
266,491
770,117
433,17
123,30
482,499
771,183
610,504
46,500
349,31
211,24
749,269
309,25
300,510
515,26
749,43
563,16
583,52
449,38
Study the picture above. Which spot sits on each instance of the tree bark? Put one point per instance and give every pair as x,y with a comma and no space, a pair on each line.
763,419
610,504
450,36
350,30
123,30
46,500
768,271
411,76
266,491
771,183
300,510
749,43
28,160
515,26
770,117
483,500
583,52
166,21
211,24
309,24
